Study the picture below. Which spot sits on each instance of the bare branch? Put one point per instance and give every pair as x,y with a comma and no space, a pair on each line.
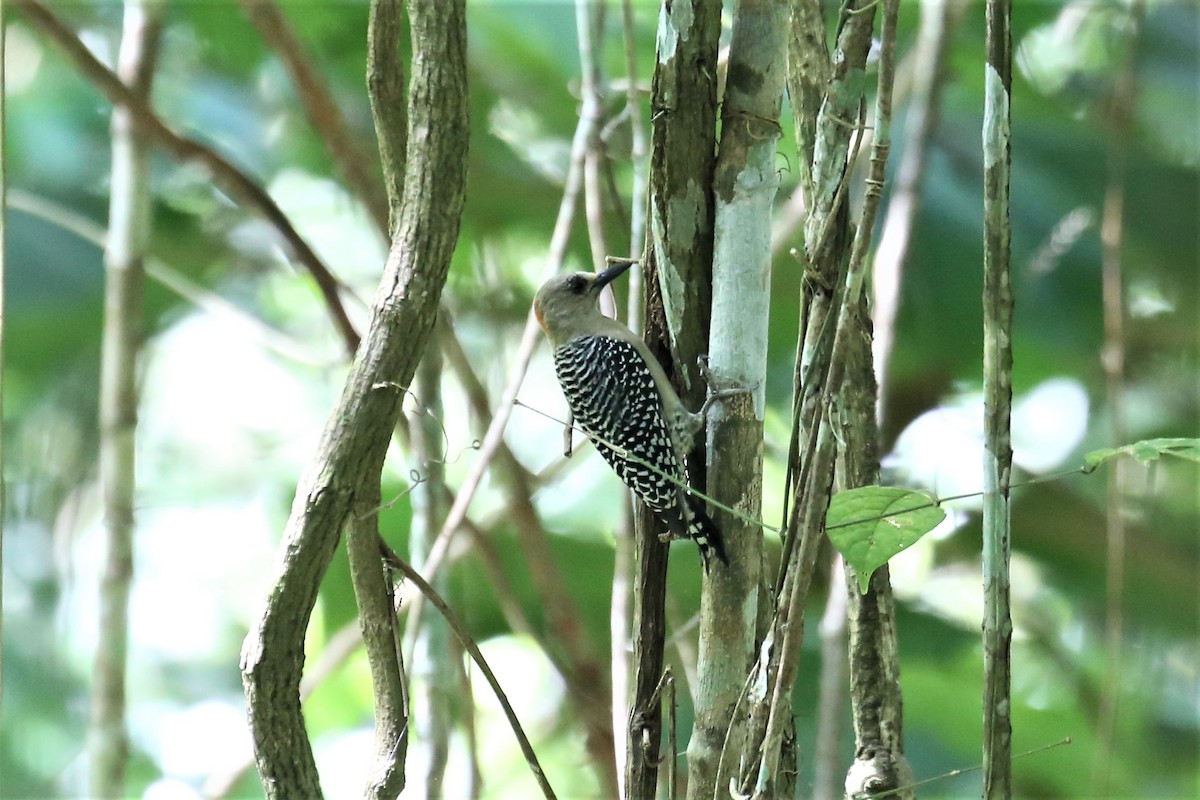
344,150
355,442
130,204
939,18
997,405
233,181
385,88
468,643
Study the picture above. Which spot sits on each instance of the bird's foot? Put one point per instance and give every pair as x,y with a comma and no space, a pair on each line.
715,390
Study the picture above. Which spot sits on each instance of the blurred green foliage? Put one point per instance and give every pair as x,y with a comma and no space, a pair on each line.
228,422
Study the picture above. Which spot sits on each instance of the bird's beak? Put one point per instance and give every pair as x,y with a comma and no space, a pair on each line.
611,274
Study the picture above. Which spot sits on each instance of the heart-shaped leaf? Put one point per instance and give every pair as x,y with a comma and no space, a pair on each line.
871,524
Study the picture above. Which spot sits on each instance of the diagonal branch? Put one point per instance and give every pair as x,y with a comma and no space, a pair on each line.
319,105
469,645
228,177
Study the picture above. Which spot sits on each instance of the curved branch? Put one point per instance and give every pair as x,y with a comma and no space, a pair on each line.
469,645
355,442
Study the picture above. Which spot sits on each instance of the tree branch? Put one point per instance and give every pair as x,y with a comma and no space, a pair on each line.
130,207
229,178
385,88
939,18
343,149
997,404
745,181
469,645
353,447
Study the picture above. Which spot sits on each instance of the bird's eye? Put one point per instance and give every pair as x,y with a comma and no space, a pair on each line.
576,284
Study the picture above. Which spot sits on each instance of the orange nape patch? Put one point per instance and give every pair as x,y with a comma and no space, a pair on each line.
537,312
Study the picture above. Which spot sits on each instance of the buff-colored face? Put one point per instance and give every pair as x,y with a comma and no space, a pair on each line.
563,297
565,303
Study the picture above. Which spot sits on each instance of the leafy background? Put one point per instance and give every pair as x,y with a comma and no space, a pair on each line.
232,403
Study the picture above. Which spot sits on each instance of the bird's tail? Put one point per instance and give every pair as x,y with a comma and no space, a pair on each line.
705,533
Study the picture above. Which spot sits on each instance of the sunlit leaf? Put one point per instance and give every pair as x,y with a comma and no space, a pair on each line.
871,524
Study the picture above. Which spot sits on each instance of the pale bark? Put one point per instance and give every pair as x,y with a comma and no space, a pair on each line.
130,206
745,182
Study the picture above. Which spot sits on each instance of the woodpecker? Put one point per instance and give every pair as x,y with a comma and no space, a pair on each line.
619,394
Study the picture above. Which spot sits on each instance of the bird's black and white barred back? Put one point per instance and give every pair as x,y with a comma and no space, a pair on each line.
613,396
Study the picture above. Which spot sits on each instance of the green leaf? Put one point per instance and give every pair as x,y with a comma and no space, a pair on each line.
871,524
1145,451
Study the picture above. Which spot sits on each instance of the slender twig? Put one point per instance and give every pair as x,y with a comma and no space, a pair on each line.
621,606
130,206
664,693
1112,233
432,667
589,22
637,155
997,381
381,639
344,150
589,27
471,734
199,296
232,180
468,643
3,309
829,767
939,18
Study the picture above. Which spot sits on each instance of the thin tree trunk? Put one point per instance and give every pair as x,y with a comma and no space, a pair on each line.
435,675
677,269
744,182
939,20
818,373
130,204
351,453
3,309
997,393
875,698
1117,506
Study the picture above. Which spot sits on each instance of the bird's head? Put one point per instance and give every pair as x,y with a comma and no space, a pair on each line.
566,303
